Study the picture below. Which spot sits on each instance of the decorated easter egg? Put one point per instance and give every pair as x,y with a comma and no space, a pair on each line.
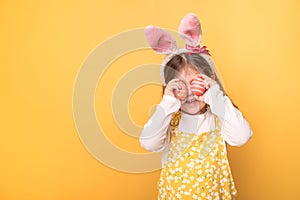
197,85
182,91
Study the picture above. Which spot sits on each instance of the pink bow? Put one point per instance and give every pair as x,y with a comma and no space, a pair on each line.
197,49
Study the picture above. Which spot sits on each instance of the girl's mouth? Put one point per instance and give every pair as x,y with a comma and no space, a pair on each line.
190,101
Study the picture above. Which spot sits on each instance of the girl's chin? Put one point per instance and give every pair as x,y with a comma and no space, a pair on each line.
192,110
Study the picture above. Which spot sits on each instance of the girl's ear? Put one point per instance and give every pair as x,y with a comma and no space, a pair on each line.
159,40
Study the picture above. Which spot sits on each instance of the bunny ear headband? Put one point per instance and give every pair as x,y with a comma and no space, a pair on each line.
163,43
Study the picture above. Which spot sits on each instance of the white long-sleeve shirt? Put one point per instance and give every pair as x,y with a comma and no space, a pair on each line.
234,128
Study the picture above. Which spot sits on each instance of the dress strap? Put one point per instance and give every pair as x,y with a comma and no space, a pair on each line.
174,122
217,124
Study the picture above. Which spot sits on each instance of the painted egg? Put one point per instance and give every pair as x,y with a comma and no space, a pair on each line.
182,91
197,85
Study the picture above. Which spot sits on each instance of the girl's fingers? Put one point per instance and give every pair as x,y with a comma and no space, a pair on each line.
201,98
208,82
178,88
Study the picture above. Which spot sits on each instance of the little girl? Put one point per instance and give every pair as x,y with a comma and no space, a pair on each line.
194,120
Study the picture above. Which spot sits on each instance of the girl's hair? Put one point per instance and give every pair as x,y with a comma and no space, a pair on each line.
195,61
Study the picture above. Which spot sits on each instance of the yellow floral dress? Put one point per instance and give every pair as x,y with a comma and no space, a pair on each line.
197,167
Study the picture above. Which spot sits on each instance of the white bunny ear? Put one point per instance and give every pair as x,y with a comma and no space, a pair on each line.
159,40
190,30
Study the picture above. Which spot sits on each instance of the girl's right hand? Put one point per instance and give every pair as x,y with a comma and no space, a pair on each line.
177,89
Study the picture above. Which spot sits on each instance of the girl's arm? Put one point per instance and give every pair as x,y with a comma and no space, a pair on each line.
235,129
154,135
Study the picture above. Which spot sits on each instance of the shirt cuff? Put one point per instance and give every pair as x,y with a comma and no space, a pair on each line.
215,98
170,104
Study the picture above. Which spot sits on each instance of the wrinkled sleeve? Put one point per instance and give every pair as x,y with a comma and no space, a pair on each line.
154,135
235,129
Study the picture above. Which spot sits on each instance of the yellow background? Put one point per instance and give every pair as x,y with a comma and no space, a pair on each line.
255,45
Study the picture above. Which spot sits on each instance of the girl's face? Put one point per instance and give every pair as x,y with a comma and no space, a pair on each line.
190,105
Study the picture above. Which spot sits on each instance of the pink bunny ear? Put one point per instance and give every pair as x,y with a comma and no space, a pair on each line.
190,30
159,40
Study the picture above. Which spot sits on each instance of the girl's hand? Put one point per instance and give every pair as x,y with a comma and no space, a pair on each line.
208,82
200,84
177,89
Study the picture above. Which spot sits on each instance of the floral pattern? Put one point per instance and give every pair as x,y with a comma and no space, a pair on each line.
197,168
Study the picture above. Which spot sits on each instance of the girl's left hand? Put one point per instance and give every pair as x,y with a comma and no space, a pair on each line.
208,82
